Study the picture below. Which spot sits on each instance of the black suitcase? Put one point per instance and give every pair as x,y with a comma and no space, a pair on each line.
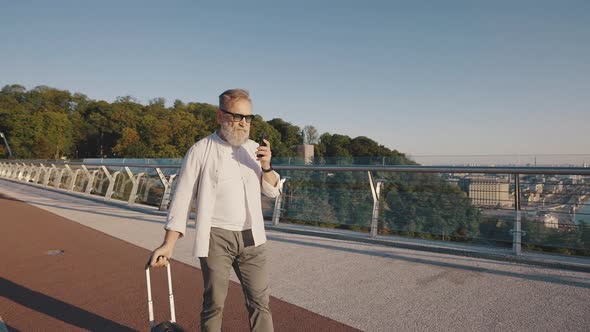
167,326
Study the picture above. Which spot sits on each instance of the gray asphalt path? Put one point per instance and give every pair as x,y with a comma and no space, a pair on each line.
371,287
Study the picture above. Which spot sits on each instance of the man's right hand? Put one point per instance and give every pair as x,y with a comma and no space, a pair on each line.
160,257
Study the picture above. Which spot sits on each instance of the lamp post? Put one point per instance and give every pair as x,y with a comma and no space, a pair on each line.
6,143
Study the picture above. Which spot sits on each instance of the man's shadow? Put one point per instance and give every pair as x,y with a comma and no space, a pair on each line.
57,309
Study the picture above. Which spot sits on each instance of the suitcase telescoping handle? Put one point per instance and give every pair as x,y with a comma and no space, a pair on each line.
170,295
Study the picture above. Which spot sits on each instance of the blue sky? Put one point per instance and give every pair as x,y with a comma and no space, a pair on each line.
422,77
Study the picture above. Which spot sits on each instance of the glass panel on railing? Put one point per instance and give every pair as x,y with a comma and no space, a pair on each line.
101,183
65,180
556,213
150,189
268,205
122,187
443,206
339,199
81,179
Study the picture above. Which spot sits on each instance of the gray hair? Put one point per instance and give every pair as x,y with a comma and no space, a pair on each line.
229,97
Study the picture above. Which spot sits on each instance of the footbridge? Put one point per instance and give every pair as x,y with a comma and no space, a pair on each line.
475,249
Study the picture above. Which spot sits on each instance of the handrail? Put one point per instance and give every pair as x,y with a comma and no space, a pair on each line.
364,168
87,164
445,169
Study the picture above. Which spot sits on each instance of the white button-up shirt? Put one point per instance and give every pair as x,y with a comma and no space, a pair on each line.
230,203
196,185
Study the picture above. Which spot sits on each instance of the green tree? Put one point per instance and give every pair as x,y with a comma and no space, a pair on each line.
290,137
310,135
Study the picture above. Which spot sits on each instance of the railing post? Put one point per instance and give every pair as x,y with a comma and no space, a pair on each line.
167,183
376,193
26,173
11,171
41,171
73,176
15,171
276,214
135,184
30,173
22,169
59,174
111,179
33,174
90,176
47,175
516,231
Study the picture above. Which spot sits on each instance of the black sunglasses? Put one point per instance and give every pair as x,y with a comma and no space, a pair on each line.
238,117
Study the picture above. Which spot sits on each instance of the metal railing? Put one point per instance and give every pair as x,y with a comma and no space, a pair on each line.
380,199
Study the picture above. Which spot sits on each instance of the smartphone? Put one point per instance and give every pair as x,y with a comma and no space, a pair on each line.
262,138
261,141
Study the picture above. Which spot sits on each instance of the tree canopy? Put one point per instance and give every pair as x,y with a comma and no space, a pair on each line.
49,123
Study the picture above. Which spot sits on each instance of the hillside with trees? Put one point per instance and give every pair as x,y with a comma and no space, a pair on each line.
48,123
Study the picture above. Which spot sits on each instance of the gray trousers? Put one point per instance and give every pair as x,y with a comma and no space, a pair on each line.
229,249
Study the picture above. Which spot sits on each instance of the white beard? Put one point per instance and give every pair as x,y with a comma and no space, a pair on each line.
235,136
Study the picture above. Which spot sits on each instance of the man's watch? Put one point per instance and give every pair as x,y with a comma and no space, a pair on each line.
270,169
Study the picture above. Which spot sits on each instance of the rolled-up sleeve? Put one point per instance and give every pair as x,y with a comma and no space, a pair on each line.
186,188
269,190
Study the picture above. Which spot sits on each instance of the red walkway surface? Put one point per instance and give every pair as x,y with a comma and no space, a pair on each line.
98,283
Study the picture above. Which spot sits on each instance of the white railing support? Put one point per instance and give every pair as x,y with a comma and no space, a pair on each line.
111,180
167,183
516,231
376,193
135,184
278,209
90,176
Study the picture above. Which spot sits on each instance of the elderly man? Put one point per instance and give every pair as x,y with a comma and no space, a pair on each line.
223,176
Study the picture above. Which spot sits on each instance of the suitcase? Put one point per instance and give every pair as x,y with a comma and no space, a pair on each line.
167,326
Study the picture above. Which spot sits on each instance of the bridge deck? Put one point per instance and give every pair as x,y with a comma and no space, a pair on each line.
318,283
98,283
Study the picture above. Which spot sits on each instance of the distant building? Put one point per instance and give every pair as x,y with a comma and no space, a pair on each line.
553,187
536,187
576,179
306,152
487,191
550,221
533,197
